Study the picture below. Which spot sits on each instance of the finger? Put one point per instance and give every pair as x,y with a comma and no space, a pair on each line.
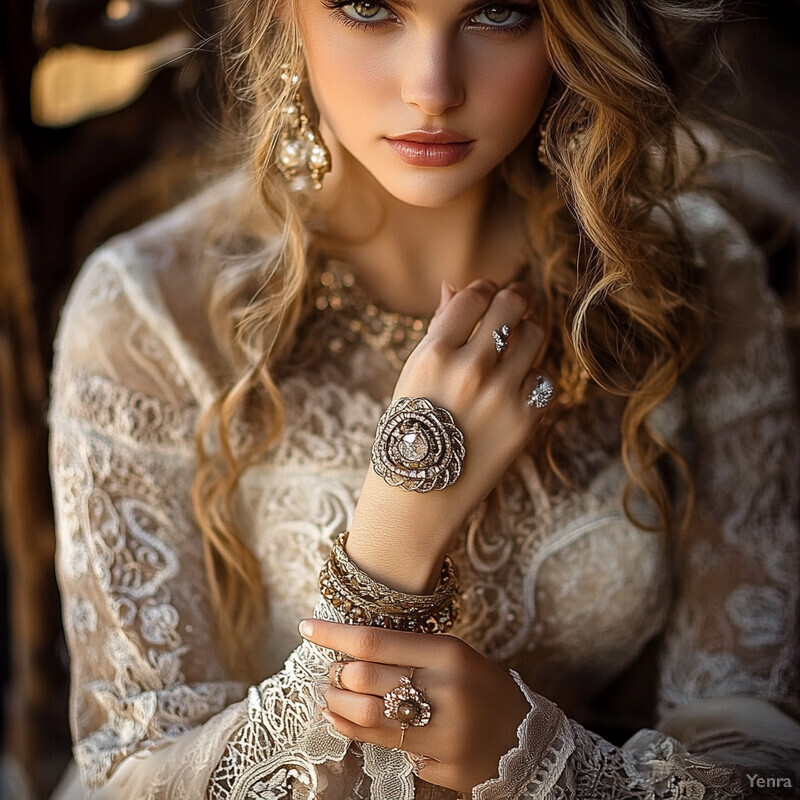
507,308
364,717
365,677
378,644
364,710
447,293
390,737
520,355
458,319
428,766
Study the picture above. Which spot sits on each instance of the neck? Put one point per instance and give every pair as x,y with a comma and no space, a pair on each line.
401,253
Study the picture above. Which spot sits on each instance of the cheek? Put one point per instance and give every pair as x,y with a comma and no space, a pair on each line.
514,90
348,81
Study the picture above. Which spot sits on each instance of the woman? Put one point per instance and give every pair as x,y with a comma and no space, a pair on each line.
474,230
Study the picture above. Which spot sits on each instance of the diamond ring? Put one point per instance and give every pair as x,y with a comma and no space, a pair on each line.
541,394
500,337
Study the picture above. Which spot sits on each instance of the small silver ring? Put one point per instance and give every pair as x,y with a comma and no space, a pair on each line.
541,394
500,336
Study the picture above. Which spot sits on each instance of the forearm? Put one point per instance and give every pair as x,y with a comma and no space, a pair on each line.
400,538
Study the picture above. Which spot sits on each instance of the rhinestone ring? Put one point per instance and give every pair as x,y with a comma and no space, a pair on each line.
418,446
408,705
500,337
542,393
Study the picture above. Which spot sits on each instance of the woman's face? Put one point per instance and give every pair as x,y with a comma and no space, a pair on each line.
429,96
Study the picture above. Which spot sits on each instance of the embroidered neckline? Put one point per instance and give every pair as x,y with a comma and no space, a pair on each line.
391,333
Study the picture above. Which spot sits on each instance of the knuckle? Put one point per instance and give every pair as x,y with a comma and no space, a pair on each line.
456,652
436,354
512,299
362,676
370,715
478,294
482,286
473,375
368,643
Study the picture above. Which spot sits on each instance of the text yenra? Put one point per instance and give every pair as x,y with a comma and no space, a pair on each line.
774,782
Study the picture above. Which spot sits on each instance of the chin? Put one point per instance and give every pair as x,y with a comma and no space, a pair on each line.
429,191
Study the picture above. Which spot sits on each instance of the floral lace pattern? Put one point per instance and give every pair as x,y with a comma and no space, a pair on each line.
154,711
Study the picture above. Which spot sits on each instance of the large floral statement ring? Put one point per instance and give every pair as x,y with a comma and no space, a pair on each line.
408,705
418,446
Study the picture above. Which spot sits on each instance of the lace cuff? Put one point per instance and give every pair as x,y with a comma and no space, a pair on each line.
532,768
281,749
558,758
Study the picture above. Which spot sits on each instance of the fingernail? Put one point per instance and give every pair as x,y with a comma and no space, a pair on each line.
327,714
306,628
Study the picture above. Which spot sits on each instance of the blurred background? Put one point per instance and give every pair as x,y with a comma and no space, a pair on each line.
108,113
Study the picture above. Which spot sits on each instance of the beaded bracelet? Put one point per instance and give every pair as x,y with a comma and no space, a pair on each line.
364,601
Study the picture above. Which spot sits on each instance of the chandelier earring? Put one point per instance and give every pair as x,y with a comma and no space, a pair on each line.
303,157
544,130
574,142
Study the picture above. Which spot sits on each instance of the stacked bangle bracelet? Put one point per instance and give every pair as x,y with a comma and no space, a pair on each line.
364,601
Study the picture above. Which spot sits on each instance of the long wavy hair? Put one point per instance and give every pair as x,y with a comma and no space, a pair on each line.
622,308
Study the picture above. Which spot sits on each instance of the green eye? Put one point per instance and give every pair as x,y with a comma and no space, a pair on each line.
365,10
498,16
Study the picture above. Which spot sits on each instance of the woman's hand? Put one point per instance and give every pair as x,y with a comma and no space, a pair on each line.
400,537
476,707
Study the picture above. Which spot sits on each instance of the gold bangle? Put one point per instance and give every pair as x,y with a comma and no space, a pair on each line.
364,601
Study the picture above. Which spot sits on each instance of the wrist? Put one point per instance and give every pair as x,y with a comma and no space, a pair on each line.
400,538
389,560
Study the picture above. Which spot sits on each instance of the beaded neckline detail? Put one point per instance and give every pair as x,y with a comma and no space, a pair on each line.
393,334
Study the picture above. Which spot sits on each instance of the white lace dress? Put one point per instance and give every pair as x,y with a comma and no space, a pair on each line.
558,585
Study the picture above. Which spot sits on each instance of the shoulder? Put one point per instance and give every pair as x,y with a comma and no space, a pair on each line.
144,297
723,249
744,365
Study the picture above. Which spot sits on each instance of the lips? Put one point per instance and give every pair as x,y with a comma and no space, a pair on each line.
431,148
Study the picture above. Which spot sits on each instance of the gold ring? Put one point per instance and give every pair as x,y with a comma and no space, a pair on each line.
419,762
337,675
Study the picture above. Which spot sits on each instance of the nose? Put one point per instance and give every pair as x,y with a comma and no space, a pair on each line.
431,76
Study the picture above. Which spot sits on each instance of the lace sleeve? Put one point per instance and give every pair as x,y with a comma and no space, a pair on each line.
729,651
734,627
154,710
